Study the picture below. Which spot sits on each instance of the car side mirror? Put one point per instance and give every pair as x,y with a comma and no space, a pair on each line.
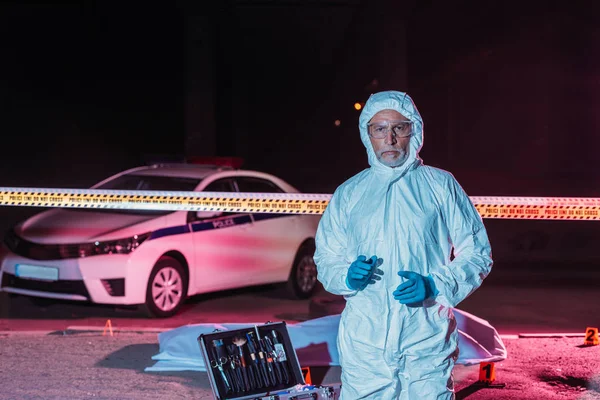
208,214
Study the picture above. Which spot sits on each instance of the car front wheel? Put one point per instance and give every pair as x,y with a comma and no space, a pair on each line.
167,288
302,281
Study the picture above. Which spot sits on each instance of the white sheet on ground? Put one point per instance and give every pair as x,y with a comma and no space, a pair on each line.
315,343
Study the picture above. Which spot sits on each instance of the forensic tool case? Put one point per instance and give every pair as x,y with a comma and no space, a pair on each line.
255,363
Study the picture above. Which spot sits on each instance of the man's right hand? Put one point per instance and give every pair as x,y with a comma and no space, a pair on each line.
360,273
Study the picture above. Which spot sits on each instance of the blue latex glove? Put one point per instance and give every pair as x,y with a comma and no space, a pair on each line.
415,289
361,272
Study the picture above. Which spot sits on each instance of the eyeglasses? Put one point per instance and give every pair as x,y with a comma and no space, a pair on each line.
400,129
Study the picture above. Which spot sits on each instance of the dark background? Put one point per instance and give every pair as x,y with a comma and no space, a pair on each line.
508,90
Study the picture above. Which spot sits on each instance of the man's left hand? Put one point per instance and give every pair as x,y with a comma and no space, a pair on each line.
415,290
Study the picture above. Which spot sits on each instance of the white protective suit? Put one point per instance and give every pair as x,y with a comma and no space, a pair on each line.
411,217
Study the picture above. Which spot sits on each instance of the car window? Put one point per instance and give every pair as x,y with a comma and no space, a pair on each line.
220,185
148,182
257,185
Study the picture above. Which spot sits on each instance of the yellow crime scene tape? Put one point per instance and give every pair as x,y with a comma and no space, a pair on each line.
549,208
295,203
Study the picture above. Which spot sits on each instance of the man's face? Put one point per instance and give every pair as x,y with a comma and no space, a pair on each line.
390,150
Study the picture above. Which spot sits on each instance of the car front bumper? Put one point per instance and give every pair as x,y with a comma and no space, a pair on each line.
103,279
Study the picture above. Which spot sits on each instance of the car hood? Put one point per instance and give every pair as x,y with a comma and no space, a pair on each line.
78,226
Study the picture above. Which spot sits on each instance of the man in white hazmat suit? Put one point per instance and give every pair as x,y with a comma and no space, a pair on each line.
385,243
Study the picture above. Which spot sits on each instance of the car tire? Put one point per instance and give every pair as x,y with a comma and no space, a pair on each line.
166,290
302,282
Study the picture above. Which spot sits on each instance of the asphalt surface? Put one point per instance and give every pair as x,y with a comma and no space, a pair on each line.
86,365
257,304
57,350
538,297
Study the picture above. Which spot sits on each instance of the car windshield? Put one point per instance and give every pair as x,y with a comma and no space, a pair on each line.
145,182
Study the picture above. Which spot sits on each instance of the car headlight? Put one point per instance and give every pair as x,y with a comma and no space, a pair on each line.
120,246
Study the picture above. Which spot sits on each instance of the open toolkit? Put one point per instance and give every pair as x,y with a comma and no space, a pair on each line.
258,362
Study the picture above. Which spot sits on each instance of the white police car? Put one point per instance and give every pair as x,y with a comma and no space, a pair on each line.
158,258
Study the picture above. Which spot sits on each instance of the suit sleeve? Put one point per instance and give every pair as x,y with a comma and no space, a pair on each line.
331,242
472,250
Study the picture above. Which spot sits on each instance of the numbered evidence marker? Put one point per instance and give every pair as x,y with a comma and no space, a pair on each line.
591,337
108,326
487,375
306,374
487,372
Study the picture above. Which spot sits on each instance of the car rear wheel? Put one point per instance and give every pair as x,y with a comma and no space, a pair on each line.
302,281
167,288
